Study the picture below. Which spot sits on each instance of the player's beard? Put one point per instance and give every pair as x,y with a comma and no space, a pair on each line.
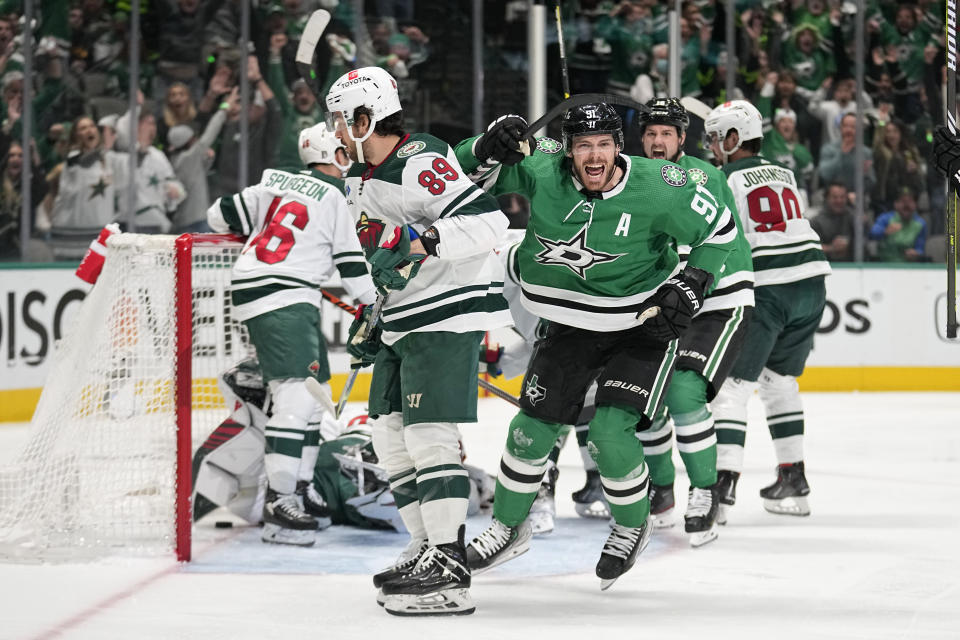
590,175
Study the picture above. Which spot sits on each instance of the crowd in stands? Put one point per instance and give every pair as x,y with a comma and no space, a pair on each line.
794,60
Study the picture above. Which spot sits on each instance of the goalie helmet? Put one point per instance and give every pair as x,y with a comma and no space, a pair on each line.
737,115
666,111
370,87
591,119
318,145
244,382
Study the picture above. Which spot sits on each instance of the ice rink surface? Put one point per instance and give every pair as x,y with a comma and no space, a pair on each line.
878,557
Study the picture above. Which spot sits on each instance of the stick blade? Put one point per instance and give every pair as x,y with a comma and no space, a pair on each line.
696,107
311,35
321,394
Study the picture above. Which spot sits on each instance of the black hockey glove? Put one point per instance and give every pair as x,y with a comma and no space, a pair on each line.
679,299
502,140
363,345
946,155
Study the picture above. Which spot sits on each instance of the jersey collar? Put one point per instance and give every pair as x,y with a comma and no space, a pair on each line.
622,161
368,172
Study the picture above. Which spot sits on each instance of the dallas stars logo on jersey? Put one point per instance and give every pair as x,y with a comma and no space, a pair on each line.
573,254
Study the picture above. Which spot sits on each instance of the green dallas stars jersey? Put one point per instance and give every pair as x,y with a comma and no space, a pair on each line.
421,184
734,287
785,248
593,262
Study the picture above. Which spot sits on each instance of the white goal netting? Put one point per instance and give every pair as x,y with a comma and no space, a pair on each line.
99,473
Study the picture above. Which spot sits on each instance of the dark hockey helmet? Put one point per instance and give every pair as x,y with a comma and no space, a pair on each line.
666,111
591,119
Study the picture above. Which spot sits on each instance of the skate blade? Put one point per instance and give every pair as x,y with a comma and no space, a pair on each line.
606,583
595,509
663,520
449,602
722,513
505,558
275,534
792,506
700,538
541,523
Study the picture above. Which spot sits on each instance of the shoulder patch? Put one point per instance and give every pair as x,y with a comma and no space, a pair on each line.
411,148
548,145
698,175
673,175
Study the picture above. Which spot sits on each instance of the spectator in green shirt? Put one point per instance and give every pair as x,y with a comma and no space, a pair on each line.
901,234
781,145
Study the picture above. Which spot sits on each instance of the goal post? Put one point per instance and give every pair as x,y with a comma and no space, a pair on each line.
130,394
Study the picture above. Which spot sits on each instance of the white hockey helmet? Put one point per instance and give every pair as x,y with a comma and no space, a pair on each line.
318,145
370,87
738,115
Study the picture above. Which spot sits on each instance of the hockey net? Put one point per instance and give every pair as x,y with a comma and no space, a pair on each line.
130,395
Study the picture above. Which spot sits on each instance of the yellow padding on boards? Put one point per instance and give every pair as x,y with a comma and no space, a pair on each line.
18,405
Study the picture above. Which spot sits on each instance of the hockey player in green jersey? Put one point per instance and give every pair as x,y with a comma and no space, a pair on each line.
428,233
599,264
298,231
789,271
706,352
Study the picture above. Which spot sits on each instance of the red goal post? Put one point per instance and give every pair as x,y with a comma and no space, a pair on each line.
130,394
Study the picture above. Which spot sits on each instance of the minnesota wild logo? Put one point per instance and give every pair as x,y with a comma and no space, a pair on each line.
573,253
369,232
698,175
548,145
673,175
411,148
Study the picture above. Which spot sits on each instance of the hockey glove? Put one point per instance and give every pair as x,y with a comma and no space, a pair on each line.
502,140
362,344
946,155
679,299
490,358
392,265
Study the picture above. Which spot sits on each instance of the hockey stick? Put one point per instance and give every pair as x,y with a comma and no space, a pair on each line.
951,221
564,71
577,101
352,378
309,39
696,107
497,391
329,297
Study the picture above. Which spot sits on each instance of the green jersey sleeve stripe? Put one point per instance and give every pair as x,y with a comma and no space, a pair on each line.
472,190
352,269
480,304
346,254
246,296
229,212
243,206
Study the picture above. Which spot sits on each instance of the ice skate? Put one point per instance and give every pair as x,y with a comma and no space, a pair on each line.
726,493
661,506
700,520
314,504
589,501
285,521
543,512
439,584
620,552
788,495
497,544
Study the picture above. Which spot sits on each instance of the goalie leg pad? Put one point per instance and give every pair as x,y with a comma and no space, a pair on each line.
784,408
443,485
227,472
730,421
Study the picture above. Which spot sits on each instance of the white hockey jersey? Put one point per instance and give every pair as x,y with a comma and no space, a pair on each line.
421,184
785,247
298,230
89,190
